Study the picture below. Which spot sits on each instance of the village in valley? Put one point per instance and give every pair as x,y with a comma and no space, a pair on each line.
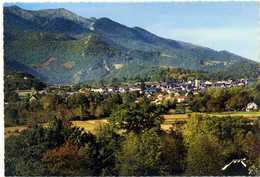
180,91
177,98
92,90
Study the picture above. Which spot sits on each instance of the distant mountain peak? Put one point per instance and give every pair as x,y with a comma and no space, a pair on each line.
94,46
57,20
55,12
13,7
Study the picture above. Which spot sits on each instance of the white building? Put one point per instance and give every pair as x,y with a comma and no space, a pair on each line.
208,83
197,83
99,90
251,107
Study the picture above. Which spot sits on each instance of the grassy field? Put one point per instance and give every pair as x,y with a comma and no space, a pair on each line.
245,114
89,125
184,117
92,125
14,130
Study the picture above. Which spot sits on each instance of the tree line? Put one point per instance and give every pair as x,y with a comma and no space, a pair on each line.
78,106
232,99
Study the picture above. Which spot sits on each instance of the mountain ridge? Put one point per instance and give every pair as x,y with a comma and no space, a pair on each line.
90,48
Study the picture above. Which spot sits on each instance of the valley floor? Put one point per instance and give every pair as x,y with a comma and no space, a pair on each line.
169,119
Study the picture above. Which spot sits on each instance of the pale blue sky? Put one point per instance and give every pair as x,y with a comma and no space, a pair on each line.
228,26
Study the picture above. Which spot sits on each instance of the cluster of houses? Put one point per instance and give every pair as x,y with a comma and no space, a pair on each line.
194,86
188,87
181,89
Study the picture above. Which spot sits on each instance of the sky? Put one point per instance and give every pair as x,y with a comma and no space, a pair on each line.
228,26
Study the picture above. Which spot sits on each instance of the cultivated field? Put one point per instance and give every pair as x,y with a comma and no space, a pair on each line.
14,130
92,125
89,125
184,117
